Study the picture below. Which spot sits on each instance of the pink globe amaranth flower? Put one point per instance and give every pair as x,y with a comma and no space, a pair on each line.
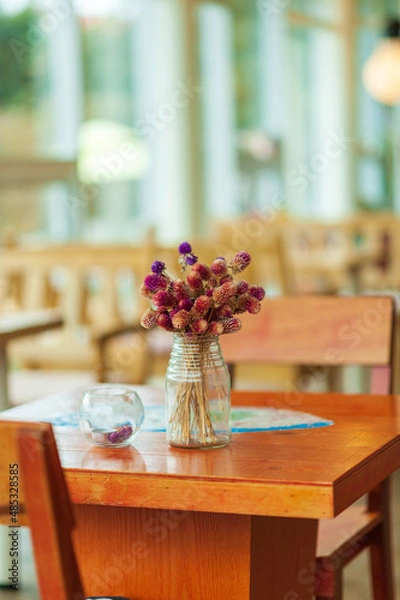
145,291
185,304
209,292
224,312
216,328
257,291
149,319
239,305
181,290
253,306
202,270
219,267
199,326
163,298
181,319
224,292
232,325
202,305
155,282
194,282
240,261
164,321
225,279
242,287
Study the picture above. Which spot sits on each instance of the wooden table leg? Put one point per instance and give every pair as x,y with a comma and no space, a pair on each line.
3,379
165,555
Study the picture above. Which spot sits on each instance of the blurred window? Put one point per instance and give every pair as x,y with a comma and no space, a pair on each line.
181,112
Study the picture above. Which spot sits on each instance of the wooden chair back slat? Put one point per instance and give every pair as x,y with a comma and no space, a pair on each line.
62,274
320,330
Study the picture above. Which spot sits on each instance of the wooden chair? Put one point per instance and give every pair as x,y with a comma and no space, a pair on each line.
261,237
317,257
29,456
376,239
325,331
95,288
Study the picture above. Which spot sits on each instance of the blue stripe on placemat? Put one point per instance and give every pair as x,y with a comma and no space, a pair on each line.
244,419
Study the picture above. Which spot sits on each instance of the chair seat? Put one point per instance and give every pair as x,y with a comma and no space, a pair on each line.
343,535
55,350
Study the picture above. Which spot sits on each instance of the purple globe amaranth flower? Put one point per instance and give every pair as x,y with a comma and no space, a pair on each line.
257,291
185,304
155,282
191,259
184,248
158,267
121,434
240,261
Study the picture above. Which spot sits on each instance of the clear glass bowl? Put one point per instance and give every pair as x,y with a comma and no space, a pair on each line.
111,416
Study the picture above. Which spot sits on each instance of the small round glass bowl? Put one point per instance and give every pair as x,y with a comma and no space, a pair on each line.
111,416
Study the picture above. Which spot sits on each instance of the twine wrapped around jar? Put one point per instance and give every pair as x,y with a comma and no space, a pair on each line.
197,393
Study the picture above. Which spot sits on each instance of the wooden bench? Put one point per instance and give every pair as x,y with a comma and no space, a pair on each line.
96,289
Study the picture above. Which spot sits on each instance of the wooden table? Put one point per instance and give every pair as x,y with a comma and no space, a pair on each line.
159,523
18,325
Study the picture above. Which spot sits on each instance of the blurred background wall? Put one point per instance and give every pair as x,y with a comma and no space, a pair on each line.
122,116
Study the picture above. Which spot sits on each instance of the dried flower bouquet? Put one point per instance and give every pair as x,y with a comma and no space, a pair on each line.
199,308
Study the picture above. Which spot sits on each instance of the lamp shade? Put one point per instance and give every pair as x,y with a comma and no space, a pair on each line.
381,73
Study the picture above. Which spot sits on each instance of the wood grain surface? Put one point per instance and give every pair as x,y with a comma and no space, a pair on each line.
159,523
310,473
322,330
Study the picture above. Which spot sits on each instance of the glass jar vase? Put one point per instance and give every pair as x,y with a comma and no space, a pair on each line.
197,393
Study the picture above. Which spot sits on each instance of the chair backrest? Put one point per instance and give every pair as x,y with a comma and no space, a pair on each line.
319,330
92,285
316,257
29,458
